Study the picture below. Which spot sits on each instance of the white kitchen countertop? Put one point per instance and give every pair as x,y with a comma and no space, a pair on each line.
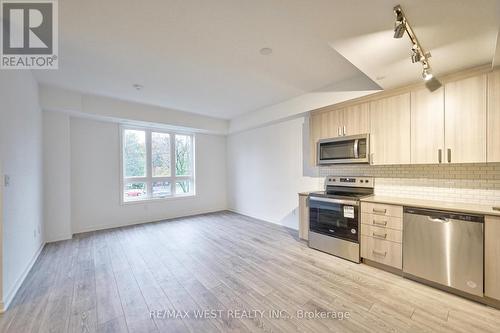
306,193
434,204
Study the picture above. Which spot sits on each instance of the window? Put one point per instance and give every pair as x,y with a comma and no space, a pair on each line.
156,164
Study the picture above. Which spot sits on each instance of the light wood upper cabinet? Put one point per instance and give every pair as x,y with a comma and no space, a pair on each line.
356,119
427,126
333,121
325,125
465,120
493,134
314,135
352,120
322,126
459,122
390,130
492,257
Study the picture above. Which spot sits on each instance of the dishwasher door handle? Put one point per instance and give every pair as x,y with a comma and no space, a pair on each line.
438,219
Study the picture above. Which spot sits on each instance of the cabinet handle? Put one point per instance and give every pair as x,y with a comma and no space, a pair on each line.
449,155
383,254
384,236
338,131
382,223
440,155
380,211
344,131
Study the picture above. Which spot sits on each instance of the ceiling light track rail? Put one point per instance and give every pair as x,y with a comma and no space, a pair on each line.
418,54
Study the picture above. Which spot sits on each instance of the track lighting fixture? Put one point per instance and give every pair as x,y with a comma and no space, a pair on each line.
427,75
415,55
417,52
400,24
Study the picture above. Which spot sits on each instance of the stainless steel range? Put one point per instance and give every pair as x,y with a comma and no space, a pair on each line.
334,216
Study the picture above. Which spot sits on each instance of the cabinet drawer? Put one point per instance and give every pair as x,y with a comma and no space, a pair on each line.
382,221
382,233
303,217
382,251
381,209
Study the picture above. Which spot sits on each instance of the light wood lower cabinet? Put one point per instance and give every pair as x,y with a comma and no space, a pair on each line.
382,251
375,220
381,233
303,217
492,257
382,209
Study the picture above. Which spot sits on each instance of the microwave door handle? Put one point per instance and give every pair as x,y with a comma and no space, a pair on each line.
356,148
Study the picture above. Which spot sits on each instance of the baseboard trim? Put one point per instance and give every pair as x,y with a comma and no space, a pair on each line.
259,218
59,238
4,305
236,211
113,226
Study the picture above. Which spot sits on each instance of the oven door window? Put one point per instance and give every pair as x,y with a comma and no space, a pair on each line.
334,219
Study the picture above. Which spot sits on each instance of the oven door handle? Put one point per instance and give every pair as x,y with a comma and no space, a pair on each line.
336,201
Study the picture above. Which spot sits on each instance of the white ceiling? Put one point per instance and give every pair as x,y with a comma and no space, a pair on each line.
203,56
459,35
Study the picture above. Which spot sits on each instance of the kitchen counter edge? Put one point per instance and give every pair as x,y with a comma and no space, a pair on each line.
434,204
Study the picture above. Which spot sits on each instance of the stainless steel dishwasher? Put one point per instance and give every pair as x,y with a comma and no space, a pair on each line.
445,248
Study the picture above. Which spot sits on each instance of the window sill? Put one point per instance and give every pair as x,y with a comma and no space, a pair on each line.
159,200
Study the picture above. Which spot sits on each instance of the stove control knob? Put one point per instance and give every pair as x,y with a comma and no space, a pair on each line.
361,181
353,231
367,181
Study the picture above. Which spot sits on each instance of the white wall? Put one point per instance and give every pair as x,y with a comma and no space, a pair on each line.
21,157
81,157
95,179
57,176
112,109
357,86
266,170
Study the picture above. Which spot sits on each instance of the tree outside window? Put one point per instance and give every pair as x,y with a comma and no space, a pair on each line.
149,156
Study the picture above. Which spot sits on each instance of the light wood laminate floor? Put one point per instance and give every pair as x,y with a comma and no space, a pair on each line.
110,281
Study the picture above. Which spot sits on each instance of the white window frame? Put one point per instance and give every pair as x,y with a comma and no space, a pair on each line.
149,179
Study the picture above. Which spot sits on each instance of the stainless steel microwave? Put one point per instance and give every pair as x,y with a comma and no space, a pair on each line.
344,150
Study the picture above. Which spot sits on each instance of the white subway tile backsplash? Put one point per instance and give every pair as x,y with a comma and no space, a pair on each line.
474,183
